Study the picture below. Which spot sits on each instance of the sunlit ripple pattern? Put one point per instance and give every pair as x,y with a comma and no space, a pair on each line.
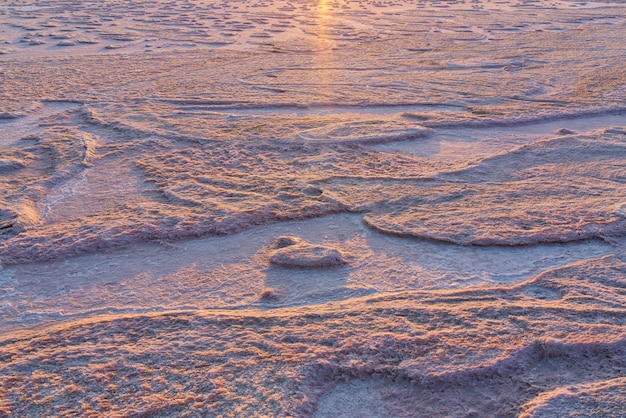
312,208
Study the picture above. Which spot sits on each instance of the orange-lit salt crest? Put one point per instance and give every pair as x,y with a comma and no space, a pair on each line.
323,61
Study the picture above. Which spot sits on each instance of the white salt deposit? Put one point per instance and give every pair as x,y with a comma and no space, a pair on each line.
295,252
298,208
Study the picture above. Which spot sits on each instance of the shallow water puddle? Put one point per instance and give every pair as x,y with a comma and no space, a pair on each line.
459,144
234,272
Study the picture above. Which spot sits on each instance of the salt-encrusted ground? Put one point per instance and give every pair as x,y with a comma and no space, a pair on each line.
312,208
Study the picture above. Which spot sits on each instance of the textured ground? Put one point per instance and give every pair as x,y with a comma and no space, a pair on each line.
303,208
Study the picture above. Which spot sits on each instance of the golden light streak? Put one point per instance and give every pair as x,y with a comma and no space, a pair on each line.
323,59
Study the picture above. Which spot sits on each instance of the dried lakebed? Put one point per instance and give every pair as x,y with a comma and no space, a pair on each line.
312,208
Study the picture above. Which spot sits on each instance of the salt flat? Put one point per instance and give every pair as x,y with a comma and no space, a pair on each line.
312,208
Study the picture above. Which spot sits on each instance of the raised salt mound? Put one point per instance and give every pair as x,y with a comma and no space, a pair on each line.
366,132
558,190
291,251
517,214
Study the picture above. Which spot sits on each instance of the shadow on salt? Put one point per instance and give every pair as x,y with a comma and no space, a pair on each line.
236,271
366,132
457,143
378,263
565,380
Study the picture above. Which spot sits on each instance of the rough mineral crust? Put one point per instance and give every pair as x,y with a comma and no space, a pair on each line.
292,251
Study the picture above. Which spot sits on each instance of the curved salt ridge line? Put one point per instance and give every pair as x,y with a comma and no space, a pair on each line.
26,122
483,166
31,246
11,164
420,299
335,355
54,320
493,293
510,363
25,209
596,223
226,106
558,401
501,167
42,248
617,227
524,120
524,357
92,118
386,133
327,371
566,140
536,287
402,300
225,227
523,366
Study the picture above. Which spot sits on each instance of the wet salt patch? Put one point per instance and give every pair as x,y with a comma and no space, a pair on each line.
451,144
366,132
320,109
235,271
19,126
356,398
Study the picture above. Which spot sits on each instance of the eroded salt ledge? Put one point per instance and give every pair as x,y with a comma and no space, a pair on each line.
533,193
410,208
488,351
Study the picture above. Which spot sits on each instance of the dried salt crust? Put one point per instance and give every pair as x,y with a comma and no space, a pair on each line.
289,251
180,174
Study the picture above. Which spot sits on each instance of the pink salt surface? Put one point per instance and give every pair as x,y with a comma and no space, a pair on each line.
272,208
